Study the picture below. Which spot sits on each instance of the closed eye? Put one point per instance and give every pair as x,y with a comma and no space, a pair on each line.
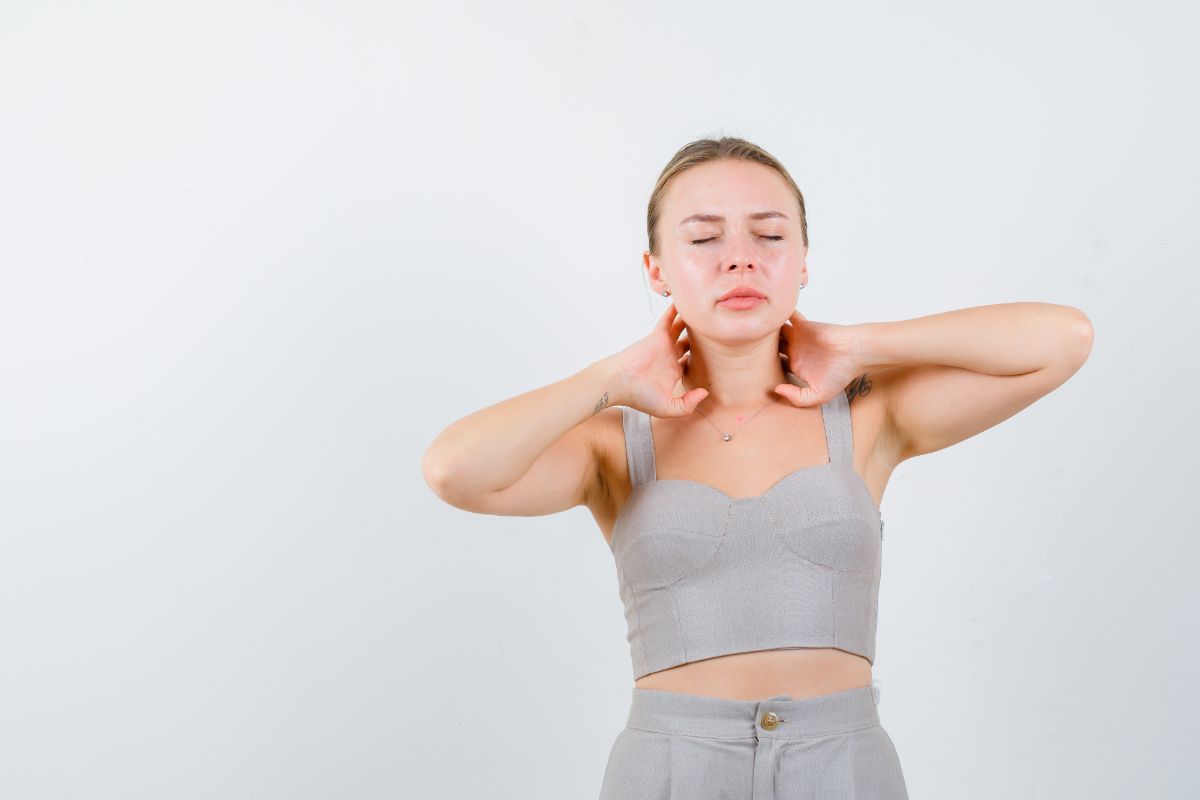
709,239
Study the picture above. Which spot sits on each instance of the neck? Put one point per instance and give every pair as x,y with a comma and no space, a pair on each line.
737,377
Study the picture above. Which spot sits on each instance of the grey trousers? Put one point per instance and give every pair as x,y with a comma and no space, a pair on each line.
679,746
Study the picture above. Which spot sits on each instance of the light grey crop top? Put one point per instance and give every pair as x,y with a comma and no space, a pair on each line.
702,574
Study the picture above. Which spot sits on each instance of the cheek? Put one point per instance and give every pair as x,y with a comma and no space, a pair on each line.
691,281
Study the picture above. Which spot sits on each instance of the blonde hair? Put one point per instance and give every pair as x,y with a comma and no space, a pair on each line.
704,150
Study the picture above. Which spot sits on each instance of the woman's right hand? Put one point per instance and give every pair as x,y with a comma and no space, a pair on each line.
651,368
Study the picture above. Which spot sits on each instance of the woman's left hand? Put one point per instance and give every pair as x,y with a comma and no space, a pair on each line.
822,354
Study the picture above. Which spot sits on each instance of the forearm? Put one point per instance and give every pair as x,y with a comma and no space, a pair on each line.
492,448
1001,339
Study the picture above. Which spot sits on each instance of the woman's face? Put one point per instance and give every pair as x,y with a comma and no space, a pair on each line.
726,224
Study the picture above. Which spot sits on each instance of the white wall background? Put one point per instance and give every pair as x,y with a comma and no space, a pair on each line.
254,257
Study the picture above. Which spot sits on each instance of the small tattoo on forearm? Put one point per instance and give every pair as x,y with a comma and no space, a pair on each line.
602,404
860,385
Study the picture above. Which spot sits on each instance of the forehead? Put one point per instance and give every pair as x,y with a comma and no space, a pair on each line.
728,188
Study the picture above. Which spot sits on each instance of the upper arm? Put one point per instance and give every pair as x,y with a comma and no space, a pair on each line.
929,407
565,475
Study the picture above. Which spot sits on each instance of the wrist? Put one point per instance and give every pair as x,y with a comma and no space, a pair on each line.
612,381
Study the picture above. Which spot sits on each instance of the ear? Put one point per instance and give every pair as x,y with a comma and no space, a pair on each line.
653,271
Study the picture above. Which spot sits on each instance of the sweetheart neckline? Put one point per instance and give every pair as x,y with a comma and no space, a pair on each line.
732,501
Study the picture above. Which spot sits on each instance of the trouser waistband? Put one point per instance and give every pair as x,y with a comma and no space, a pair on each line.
777,717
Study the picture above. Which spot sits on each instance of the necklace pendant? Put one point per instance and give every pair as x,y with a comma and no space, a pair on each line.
727,437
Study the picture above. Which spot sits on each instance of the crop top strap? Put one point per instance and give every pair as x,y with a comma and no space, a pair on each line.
839,435
835,412
639,447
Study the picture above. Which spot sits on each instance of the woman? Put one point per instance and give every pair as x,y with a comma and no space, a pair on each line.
748,536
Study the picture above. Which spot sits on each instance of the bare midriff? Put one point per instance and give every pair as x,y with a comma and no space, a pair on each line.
800,673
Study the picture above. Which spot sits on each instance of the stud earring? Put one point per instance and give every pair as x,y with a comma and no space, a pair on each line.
803,285
665,293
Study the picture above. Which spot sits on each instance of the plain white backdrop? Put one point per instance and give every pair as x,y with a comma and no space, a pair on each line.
254,257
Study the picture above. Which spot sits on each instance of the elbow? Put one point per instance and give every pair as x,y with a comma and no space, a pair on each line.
1072,347
1083,336
436,474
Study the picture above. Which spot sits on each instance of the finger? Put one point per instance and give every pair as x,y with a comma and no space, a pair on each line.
681,349
678,325
676,407
692,399
667,318
799,396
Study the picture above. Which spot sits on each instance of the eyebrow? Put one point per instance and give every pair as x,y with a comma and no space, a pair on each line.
719,218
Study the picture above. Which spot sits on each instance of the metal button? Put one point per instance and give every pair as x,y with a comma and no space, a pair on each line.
770,720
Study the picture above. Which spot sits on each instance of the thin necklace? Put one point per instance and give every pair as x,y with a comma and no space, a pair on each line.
727,436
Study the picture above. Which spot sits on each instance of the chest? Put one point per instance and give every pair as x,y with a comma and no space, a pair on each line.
823,516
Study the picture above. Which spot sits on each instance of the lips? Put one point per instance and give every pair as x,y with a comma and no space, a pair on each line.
742,291
741,303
